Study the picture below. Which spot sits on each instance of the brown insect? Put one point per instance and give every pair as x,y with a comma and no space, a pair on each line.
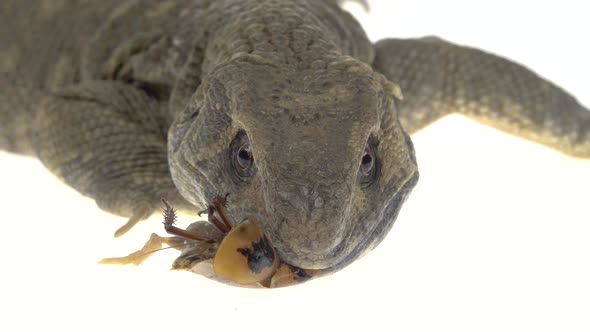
234,253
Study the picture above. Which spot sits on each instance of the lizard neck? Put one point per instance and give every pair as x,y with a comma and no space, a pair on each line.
297,34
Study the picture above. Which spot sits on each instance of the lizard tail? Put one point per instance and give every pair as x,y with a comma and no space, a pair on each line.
16,115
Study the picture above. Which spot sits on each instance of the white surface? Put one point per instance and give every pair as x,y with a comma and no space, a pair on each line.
496,237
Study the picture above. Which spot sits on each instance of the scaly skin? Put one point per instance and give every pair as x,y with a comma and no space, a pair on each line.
128,102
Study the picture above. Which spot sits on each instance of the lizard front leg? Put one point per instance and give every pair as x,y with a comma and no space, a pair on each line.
108,140
438,78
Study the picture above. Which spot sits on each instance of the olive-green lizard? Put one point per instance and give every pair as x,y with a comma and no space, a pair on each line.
284,104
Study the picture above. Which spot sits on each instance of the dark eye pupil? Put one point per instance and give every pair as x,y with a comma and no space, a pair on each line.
367,173
367,163
367,159
245,157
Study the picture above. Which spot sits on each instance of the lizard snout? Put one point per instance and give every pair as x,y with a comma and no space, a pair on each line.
308,224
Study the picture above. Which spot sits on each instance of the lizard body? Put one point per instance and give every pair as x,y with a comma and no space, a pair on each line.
124,106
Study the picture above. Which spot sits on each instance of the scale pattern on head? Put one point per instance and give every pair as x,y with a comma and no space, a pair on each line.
304,138
320,160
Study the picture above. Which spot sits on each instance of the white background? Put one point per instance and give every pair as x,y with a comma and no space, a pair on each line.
496,237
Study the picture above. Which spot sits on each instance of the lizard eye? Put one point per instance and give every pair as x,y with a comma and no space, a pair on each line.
367,163
242,157
368,169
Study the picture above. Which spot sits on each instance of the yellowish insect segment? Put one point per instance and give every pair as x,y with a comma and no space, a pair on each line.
245,256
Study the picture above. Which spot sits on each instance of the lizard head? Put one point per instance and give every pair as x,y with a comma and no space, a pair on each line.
316,155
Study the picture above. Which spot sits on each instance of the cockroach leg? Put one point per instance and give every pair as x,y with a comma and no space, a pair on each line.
219,204
170,219
149,248
221,226
187,234
208,211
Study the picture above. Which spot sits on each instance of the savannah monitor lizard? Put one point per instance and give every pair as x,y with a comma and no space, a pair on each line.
285,104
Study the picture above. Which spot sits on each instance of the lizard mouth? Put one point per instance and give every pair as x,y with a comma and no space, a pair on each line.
385,220
238,254
353,245
344,253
